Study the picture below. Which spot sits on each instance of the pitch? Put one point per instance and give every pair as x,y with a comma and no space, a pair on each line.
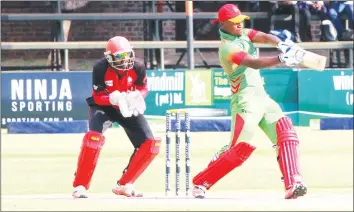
37,174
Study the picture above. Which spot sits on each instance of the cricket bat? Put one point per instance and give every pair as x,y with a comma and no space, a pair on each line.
310,59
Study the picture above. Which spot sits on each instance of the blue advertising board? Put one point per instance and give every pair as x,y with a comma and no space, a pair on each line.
60,96
44,96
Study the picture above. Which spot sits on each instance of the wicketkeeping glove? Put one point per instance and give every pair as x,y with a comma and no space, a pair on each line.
120,99
136,102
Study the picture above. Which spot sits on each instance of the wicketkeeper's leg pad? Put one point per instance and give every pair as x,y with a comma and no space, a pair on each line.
232,158
92,144
142,158
288,153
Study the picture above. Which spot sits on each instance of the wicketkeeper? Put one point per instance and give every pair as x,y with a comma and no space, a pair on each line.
119,88
251,107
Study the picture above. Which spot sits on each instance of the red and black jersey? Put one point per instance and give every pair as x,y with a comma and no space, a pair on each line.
106,79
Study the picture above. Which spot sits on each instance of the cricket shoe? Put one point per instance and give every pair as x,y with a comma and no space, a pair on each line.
199,192
79,192
127,190
297,190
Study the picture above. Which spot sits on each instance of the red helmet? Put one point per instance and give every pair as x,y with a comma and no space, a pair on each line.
119,53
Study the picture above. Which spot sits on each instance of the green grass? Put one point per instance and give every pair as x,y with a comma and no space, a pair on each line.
45,164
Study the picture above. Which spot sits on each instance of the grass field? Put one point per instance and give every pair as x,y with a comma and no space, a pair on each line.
37,173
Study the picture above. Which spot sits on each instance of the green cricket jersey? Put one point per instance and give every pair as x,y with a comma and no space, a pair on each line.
240,77
249,99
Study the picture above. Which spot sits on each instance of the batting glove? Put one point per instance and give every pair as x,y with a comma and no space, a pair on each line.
285,46
288,59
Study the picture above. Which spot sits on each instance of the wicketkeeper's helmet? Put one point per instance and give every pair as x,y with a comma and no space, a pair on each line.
119,53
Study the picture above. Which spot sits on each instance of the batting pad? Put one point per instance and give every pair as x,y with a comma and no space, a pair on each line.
336,123
205,124
47,127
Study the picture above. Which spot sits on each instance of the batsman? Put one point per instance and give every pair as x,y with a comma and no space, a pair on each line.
119,86
251,107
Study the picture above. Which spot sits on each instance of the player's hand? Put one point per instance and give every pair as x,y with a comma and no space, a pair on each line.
285,46
131,103
136,102
290,58
113,97
120,99
123,105
289,61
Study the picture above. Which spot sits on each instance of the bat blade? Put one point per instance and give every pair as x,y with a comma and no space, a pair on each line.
312,60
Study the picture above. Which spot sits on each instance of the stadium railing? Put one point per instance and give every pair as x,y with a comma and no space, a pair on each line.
115,16
141,44
161,45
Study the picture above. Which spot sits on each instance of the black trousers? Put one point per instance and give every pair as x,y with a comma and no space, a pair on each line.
136,127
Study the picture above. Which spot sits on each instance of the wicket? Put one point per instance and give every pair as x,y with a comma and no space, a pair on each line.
177,114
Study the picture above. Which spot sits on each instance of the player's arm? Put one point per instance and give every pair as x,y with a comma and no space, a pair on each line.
242,58
261,37
236,55
100,94
141,79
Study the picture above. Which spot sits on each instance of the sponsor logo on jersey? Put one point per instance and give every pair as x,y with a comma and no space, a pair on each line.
130,80
109,83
